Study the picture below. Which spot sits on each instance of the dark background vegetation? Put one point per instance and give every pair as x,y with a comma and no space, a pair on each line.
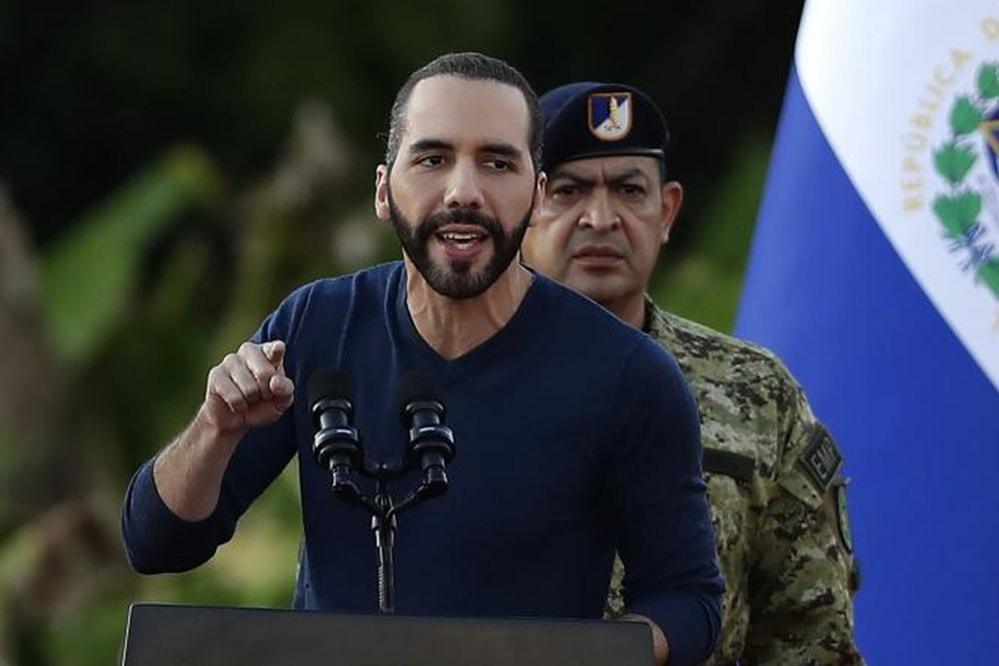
171,170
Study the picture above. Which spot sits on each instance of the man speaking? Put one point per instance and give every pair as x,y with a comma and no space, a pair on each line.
564,455
772,470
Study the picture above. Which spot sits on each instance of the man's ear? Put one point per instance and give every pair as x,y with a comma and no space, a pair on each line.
540,188
382,208
672,200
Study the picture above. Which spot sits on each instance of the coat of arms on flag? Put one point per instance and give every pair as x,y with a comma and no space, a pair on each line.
972,197
610,115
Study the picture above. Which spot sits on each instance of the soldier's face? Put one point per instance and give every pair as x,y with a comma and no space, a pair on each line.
601,224
461,191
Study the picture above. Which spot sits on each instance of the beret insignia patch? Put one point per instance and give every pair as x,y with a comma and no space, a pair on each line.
609,115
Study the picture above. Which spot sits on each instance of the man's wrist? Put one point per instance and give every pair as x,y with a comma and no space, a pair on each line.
188,473
204,432
660,646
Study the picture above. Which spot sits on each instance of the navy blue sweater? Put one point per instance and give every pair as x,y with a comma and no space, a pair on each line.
575,435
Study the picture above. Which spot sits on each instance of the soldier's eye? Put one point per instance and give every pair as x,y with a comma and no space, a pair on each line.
632,191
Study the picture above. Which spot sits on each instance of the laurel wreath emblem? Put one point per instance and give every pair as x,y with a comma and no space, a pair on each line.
959,208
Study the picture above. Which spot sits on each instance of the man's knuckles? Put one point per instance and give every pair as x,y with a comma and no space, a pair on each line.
274,351
248,348
245,389
281,386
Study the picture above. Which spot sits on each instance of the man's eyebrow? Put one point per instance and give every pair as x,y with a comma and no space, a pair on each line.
429,144
503,149
612,179
496,148
573,178
625,175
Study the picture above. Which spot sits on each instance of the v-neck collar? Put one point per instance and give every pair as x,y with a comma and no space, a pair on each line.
512,335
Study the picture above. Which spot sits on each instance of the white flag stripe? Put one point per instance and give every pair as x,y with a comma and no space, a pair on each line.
881,78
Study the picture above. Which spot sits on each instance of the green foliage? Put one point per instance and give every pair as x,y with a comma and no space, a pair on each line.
160,345
444,25
965,116
958,212
989,274
988,80
88,639
6,460
89,275
704,283
256,568
953,161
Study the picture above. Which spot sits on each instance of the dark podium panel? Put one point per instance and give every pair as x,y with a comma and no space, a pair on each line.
168,635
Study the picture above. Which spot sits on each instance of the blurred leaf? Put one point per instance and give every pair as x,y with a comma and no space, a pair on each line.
443,25
6,455
178,284
965,116
89,274
704,284
260,564
988,80
953,162
957,213
989,274
258,567
92,638
703,291
16,553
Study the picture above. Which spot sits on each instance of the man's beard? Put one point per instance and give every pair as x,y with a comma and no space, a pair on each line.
455,279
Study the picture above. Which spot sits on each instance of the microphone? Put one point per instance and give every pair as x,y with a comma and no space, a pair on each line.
431,443
336,445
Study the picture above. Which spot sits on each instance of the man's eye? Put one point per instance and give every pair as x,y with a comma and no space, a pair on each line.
499,165
564,191
431,160
632,191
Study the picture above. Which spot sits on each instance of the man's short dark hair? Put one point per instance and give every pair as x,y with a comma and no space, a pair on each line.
473,67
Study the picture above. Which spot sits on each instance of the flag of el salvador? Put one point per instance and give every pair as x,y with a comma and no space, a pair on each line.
875,275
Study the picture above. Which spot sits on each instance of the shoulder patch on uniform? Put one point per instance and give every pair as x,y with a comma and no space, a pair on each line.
821,459
842,518
729,463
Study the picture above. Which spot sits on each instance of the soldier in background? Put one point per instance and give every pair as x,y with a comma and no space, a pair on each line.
773,471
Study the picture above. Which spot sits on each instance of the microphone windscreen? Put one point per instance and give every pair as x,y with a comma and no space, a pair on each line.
328,383
416,385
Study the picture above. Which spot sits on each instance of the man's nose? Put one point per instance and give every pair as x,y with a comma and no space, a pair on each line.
599,214
463,188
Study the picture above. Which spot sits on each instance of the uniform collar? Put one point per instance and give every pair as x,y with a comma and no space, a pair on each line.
656,322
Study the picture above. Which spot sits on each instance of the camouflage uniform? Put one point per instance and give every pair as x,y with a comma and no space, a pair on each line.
776,499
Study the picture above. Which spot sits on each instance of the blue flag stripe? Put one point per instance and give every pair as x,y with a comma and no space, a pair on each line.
916,417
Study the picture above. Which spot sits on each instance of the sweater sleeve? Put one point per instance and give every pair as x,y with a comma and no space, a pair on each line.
666,540
157,540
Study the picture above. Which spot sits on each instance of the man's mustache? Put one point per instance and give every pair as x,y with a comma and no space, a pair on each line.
602,240
468,216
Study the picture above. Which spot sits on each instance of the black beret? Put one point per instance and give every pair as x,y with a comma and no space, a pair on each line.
590,119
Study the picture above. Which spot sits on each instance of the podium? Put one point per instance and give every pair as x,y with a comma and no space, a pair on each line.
162,635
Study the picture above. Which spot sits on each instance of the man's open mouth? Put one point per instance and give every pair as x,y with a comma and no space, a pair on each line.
461,241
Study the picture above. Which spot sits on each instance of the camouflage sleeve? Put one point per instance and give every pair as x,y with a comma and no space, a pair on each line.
614,607
804,572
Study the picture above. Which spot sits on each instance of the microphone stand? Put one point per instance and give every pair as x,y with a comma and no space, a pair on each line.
384,521
337,448
383,524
